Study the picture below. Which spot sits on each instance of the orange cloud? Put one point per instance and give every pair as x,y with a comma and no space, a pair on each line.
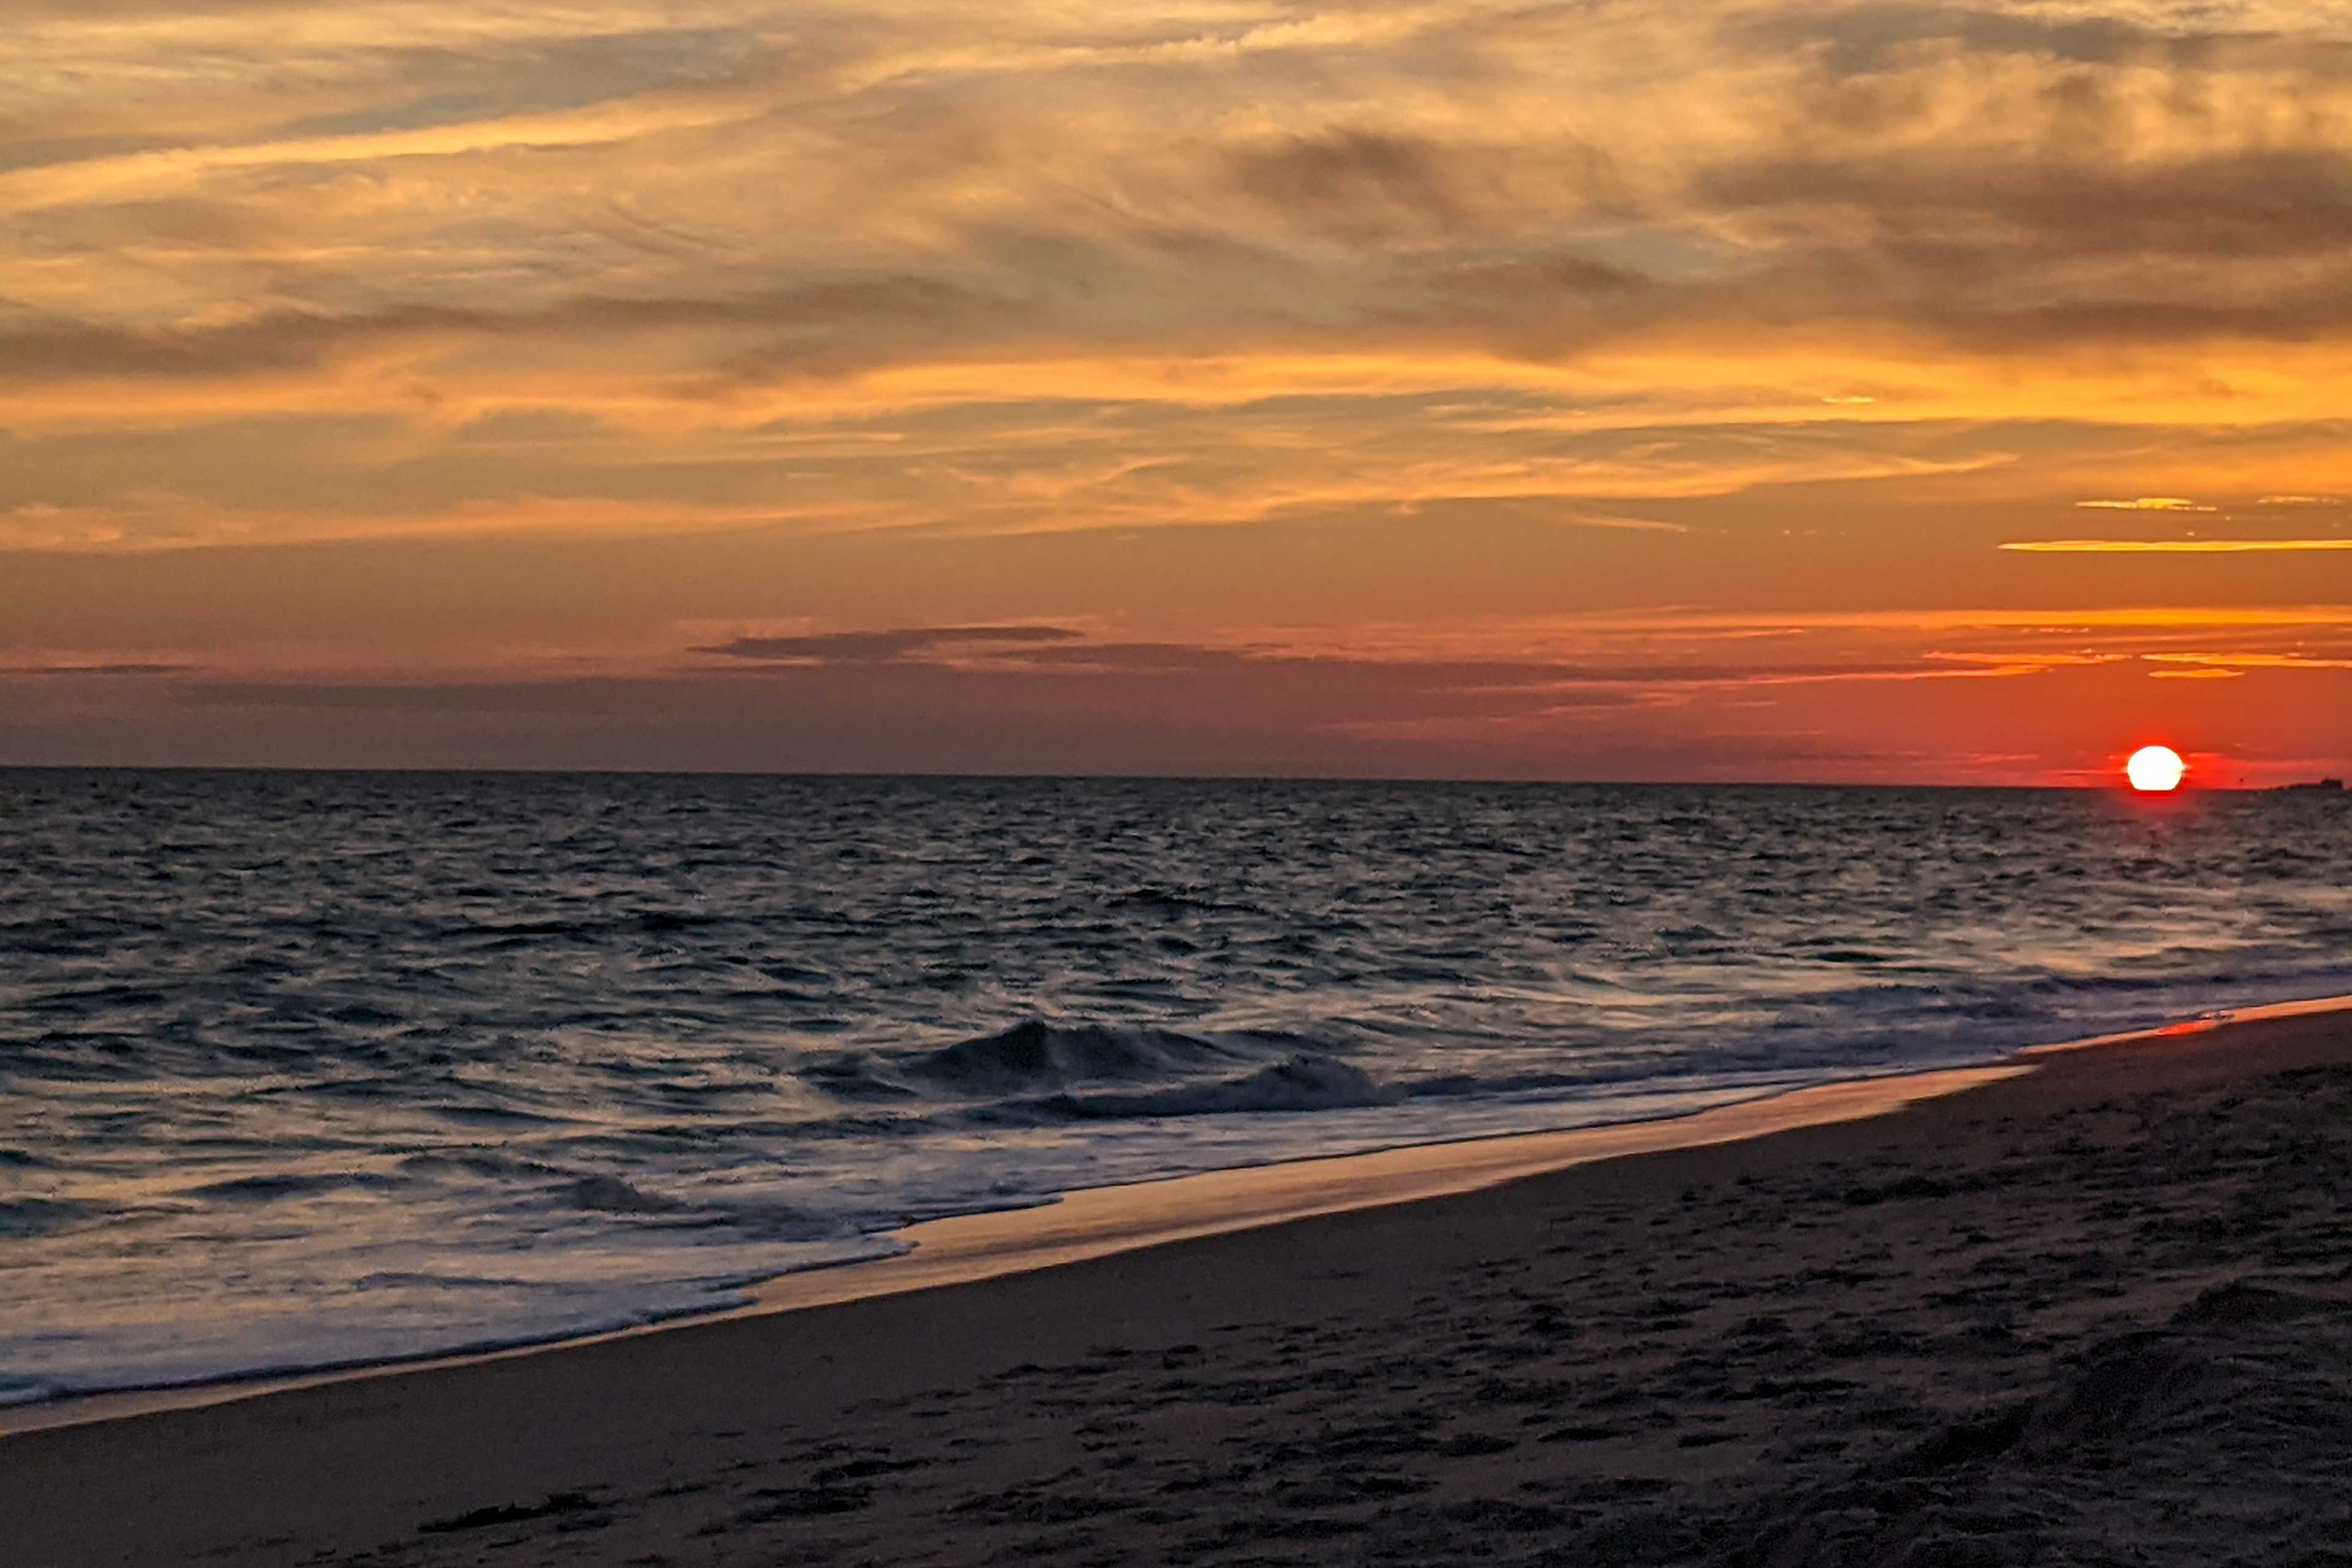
2238,662
2172,546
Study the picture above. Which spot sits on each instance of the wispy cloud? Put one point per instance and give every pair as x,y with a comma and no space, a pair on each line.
102,181
129,667
2147,503
1450,664
1573,519
2239,661
2171,546
883,646
2029,658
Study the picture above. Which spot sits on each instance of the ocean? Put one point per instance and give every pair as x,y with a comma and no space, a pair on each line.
307,1070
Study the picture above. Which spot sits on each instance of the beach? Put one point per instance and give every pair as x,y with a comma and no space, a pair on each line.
2099,1312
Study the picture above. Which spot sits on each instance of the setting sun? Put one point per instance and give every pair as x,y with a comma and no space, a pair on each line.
2155,770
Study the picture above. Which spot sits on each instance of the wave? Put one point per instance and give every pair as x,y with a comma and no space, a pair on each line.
271,1187
1039,1056
1301,1083
610,1195
1039,1072
24,1218
492,933
475,1162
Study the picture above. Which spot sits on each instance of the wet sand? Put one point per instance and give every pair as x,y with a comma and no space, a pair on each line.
2097,1313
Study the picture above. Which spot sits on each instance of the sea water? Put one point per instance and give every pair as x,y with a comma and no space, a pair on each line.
301,1071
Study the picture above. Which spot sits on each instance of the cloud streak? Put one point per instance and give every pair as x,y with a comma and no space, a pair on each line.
885,646
128,667
2239,663
2173,546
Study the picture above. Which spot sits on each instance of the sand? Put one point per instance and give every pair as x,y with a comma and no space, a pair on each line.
2099,1312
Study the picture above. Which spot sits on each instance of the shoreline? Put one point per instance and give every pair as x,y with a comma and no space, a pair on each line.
1092,1223
1998,1326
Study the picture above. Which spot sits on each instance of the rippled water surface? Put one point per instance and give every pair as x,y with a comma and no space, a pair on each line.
305,1069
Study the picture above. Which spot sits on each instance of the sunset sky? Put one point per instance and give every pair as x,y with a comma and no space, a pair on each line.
1909,392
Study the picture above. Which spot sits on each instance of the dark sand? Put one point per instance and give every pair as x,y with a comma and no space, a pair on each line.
2097,1313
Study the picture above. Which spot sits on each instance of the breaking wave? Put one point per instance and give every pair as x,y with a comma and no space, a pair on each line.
1037,1055
1301,1083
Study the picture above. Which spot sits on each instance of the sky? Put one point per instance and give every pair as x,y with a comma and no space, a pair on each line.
1723,389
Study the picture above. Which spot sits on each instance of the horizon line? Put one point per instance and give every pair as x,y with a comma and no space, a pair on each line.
960,775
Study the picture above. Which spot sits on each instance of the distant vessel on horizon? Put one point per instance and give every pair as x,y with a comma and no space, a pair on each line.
2332,785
